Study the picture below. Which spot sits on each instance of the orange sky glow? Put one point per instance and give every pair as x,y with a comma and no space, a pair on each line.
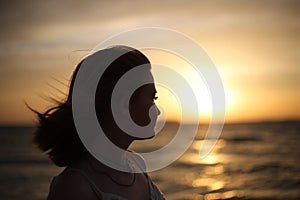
254,45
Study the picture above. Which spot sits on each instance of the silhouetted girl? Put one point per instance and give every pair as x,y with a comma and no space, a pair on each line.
84,177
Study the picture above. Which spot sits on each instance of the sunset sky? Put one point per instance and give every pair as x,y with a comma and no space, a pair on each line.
254,45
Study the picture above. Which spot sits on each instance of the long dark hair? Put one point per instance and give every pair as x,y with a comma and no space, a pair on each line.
56,134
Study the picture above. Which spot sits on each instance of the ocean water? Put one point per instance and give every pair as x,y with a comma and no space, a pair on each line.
250,161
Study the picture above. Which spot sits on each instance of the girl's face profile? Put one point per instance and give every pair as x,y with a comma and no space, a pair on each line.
141,102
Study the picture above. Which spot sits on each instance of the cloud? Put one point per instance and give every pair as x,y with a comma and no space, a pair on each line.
23,20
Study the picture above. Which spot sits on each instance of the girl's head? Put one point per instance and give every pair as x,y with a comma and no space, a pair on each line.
56,133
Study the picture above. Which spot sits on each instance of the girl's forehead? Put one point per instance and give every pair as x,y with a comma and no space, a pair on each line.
149,88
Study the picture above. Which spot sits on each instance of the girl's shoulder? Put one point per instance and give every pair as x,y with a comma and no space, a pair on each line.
70,184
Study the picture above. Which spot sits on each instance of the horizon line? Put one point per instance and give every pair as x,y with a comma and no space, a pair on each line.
10,124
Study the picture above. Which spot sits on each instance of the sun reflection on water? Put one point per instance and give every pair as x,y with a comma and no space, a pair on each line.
212,159
224,195
210,180
210,183
219,144
214,170
209,159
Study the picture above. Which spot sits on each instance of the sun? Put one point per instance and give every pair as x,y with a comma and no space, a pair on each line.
195,89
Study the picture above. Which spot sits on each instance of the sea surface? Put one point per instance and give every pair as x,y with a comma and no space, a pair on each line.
258,161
